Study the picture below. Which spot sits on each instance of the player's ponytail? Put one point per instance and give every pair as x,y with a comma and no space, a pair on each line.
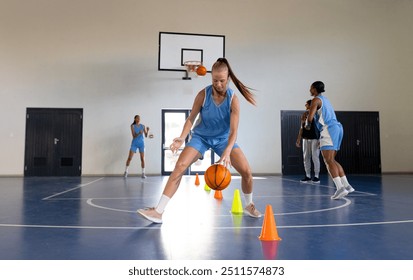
244,90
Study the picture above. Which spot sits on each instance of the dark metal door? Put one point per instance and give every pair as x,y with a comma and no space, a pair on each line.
53,144
292,157
360,150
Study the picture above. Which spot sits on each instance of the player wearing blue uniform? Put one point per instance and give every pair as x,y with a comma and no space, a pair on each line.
331,135
213,124
216,128
138,131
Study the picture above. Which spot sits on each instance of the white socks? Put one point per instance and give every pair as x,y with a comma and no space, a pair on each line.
338,183
162,204
344,181
248,198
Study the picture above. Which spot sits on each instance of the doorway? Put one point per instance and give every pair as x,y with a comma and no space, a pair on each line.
53,145
173,121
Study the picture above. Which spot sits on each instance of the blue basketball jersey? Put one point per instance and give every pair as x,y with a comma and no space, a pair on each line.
214,119
139,138
325,116
331,130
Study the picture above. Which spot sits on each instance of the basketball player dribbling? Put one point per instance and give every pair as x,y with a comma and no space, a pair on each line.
215,129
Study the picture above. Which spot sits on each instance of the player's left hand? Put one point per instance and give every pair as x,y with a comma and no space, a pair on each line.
225,160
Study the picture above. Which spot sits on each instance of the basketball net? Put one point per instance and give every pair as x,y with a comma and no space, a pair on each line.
191,67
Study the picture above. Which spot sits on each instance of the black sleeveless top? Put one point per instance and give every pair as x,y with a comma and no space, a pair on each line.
310,134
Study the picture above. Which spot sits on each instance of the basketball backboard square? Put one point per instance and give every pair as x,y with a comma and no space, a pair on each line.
176,48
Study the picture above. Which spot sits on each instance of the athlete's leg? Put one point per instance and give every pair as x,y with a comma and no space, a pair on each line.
130,156
315,152
128,160
188,156
142,155
240,163
330,162
307,157
334,169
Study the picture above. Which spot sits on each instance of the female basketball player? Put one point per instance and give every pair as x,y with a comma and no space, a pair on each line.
138,130
216,128
331,135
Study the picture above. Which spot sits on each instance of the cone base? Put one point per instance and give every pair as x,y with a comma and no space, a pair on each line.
263,238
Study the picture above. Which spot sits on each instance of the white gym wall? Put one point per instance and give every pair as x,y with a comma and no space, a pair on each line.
102,56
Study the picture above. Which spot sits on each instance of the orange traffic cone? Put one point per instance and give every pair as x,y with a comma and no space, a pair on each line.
218,195
269,228
197,183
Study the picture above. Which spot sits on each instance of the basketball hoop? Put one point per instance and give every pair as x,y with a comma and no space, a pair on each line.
191,67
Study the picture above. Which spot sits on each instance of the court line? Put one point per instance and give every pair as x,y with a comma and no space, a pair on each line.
78,187
89,201
348,202
324,186
158,227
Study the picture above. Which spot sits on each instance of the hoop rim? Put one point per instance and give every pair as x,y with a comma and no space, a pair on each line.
192,63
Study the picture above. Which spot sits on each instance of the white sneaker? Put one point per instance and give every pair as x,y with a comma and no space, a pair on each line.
151,215
125,174
143,175
349,189
340,193
252,211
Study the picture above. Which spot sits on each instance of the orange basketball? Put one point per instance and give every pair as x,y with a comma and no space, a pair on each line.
217,177
201,70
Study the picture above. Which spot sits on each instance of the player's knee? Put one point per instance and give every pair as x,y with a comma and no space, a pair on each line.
181,165
246,174
329,162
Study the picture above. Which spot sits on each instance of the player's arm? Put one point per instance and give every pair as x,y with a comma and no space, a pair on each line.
196,108
134,135
145,130
233,131
300,132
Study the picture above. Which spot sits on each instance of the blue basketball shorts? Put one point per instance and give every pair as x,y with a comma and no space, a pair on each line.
331,137
202,144
135,146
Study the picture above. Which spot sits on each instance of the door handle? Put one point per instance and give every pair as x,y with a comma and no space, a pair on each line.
56,140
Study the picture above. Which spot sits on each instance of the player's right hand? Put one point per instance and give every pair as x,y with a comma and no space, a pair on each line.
176,144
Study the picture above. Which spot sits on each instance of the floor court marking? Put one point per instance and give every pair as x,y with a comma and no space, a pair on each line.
158,227
347,203
72,189
324,186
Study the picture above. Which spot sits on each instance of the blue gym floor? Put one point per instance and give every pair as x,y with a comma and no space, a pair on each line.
94,218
